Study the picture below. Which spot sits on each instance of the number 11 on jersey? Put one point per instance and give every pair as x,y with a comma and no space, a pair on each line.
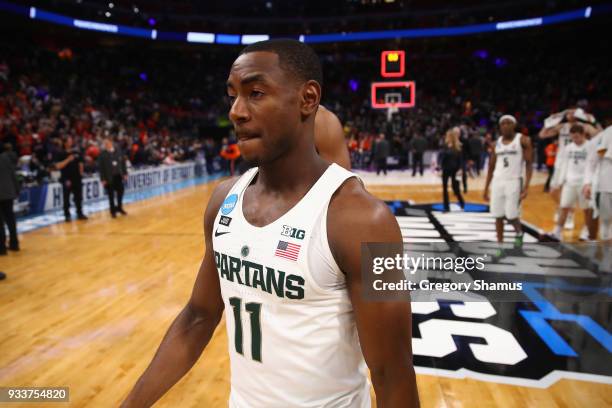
254,310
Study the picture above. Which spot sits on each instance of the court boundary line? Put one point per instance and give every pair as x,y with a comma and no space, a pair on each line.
543,383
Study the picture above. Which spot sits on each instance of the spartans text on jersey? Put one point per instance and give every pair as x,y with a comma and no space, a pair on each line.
255,275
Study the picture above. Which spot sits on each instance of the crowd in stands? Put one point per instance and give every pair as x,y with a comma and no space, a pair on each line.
164,106
46,97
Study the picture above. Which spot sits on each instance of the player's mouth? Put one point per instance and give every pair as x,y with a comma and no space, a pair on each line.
243,136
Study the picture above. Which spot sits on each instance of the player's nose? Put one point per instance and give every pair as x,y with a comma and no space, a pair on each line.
239,112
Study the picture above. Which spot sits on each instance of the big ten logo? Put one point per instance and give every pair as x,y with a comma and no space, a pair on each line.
293,232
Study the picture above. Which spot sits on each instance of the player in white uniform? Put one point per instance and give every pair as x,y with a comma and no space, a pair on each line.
512,154
571,170
603,195
562,131
283,259
590,188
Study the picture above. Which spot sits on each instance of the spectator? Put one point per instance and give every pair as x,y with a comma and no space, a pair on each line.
475,149
381,153
231,153
8,193
551,155
113,172
418,145
210,152
450,161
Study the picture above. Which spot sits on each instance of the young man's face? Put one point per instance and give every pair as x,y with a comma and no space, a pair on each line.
578,137
507,127
265,106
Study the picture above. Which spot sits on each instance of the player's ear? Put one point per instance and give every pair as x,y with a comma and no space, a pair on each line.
310,98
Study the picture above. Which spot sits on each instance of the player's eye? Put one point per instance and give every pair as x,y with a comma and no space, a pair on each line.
231,99
256,94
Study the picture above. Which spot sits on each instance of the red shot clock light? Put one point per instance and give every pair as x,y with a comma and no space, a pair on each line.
392,64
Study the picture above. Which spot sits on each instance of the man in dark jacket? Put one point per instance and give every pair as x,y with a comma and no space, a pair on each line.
70,162
382,149
475,147
113,171
418,145
8,193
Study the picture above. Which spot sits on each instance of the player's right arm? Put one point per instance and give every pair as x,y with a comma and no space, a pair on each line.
192,329
553,131
492,161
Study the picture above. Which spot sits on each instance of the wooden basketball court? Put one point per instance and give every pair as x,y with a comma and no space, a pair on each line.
86,304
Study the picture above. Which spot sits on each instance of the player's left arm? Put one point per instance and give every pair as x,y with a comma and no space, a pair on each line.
385,328
528,158
592,129
330,140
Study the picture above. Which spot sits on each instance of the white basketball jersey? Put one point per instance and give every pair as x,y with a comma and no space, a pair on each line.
565,138
575,157
290,323
509,162
591,173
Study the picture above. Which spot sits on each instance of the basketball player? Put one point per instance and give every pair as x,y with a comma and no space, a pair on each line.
329,138
512,150
283,260
562,131
572,166
603,196
591,185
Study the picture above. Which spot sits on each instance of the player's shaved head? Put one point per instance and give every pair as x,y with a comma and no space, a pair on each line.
294,57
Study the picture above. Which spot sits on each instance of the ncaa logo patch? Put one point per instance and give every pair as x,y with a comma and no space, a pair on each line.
229,204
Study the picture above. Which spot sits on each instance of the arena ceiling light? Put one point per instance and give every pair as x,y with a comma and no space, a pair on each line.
208,38
237,39
253,38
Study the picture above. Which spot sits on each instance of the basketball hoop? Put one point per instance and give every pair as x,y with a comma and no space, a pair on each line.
391,110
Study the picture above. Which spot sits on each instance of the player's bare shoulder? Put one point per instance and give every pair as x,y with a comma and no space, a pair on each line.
216,199
525,140
355,214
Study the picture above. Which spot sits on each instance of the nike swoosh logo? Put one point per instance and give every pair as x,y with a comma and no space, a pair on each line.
217,233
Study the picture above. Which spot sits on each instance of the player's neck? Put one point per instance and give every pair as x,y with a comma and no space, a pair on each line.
297,170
